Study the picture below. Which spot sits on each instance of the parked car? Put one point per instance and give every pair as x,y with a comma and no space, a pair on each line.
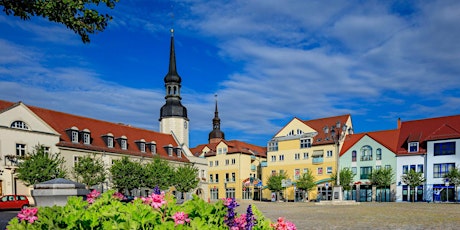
13,202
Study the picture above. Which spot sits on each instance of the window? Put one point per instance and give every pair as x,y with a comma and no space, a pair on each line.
305,155
420,168
446,148
211,163
377,167
110,142
273,172
305,170
20,149
214,193
412,167
76,159
297,156
19,125
272,146
153,147
320,170
219,151
366,153
329,153
329,170
365,172
353,156
226,177
354,170
440,170
227,161
233,177
281,157
296,174
273,158
74,136
216,163
230,193
387,166
123,144
305,143
413,147
86,138
210,178
233,161
170,150
405,169
224,150
217,178
378,154
46,149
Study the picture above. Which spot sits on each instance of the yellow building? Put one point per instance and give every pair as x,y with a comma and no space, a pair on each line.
302,146
233,166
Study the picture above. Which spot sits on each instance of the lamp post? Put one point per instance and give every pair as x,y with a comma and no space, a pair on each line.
338,133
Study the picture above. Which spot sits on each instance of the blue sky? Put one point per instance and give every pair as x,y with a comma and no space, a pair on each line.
268,61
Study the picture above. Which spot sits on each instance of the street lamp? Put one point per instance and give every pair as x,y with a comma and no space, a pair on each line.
337,137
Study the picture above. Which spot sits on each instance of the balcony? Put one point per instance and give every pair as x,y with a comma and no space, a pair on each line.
317,160
366,158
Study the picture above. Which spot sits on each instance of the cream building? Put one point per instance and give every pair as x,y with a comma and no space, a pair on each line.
301,146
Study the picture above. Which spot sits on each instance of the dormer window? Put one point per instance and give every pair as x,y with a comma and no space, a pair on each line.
169,150
178,151
19,125
108,139
153,147
74,136
413,147
123,142
86,136
141,145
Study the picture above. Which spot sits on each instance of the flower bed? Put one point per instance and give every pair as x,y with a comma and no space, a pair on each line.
156,211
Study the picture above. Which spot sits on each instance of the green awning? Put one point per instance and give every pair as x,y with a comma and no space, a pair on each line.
323,181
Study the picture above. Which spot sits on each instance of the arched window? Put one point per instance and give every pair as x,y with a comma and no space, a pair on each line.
366,153
175,90
19,125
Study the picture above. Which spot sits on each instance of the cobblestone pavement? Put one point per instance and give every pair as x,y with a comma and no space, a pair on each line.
369,215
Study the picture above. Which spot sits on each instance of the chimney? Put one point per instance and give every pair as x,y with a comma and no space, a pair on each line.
399,122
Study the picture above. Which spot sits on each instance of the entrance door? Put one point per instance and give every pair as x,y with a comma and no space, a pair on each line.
365,193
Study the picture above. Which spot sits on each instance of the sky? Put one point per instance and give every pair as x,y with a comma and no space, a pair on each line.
267,61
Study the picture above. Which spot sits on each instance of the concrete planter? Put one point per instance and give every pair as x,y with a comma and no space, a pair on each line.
56,192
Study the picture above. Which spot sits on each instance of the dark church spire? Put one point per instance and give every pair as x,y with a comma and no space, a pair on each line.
173,106
216,134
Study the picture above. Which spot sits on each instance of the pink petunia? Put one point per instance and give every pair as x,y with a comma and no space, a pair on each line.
28,214
118,196
281,224
91,197
180,218
155,200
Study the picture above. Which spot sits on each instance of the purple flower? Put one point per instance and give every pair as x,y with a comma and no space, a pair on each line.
249,218
230,217
156,190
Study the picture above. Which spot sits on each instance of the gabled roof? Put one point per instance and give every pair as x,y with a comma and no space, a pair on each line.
431,129
387,138
319,124
234,147
61,122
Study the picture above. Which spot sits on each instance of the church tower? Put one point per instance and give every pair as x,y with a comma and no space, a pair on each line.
173,115
216,134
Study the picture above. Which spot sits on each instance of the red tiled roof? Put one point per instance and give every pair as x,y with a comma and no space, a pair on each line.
61,122
430,129
234,146
387,138
319,124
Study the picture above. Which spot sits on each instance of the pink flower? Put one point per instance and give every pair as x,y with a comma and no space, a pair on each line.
227,201
240,222
118,196
283,225
155,200
28,214
180,218
91,197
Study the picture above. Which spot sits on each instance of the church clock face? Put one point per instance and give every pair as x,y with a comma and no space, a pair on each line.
185,125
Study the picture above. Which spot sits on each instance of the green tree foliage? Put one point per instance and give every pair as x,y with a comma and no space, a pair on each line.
453,176
306,182
125,174
186,178
40,166
158,173
274,182
89,170
382,178
346,178
80,16
413,179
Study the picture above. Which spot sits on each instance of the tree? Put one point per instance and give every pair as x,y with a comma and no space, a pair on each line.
79,16
382,178
274,182
186,178
453,176
413,179
126,174
89,170
306,183
158,173
346,178
40,166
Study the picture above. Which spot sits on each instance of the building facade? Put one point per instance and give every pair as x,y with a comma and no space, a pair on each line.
301,146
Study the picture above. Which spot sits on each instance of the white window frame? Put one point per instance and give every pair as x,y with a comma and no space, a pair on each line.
74,135
110,142
21,149
124,144
86,138
410,144
329,153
